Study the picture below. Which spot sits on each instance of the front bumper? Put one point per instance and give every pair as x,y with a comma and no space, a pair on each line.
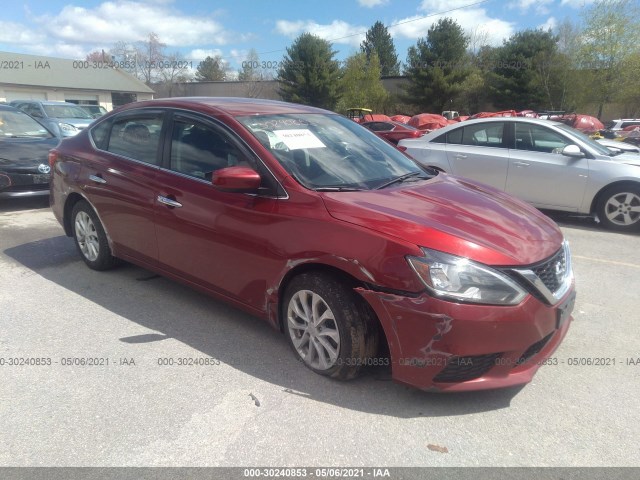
23,184
444,346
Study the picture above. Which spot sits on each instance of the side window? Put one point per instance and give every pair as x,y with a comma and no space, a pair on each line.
198,149
455,136
483,134
381,127
136,137
629,124
536,138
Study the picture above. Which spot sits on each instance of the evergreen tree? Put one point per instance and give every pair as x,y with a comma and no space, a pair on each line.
379,41
437,66
309,74
211,68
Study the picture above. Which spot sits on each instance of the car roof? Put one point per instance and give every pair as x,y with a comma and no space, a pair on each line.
44,102
10,108
234,106
536,121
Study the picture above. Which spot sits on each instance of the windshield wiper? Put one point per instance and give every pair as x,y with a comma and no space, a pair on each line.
339,189
399,179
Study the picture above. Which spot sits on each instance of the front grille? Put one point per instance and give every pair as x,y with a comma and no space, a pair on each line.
548,280
461,369
534,349
547,271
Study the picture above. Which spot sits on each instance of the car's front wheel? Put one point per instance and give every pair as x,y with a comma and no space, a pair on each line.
331,330
619,208
90,238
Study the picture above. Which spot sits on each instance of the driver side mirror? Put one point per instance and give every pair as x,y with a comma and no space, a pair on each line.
236,179
572,151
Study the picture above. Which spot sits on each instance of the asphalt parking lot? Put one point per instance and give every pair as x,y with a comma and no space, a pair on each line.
254,404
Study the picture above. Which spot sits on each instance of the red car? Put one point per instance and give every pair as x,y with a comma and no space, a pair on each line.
393,131
310,221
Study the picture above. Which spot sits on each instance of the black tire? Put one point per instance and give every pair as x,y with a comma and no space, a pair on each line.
90,238
348,316
615,206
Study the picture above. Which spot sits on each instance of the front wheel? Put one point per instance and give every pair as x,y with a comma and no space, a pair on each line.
330,329
619,208
90,238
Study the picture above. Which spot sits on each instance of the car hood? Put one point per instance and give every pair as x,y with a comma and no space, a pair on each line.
19,153
627,157
455,216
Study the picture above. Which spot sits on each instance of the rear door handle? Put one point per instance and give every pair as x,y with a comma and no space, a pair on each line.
169,202
522,164
97,179
460,155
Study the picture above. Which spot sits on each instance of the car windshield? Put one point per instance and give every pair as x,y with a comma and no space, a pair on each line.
331,152
65,111
601,149
20,125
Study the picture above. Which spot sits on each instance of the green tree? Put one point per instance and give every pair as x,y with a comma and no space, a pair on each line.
309,74
524,75
379,41
609,41
437,66
211,68
360,83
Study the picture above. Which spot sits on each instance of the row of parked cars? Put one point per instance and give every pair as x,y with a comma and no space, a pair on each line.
28,130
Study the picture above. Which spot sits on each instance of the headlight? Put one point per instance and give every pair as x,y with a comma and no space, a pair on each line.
68,128
462,280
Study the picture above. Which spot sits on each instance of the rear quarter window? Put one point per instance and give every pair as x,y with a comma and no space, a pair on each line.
100,135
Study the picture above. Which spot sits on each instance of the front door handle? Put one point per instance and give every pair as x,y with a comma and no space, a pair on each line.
169,202
522,164
97,179
460,155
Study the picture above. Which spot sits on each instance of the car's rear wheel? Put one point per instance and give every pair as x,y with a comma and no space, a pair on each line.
331,330
619,208
90,238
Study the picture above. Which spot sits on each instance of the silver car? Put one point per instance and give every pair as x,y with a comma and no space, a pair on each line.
545,163
64,119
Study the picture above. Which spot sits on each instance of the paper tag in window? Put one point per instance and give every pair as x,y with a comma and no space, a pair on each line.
299,138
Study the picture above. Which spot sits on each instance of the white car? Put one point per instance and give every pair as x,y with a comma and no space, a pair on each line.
545,163
617,146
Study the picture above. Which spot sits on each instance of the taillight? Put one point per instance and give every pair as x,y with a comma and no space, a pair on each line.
53,158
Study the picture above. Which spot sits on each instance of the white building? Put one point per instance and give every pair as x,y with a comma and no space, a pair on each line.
33,77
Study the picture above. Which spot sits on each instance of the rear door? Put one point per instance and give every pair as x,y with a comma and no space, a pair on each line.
540,174
478,151
121,180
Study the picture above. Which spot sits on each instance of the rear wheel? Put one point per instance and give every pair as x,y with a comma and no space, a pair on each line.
619,208
330,329
90,238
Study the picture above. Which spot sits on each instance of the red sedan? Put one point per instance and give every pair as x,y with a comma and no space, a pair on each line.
393,131
306,219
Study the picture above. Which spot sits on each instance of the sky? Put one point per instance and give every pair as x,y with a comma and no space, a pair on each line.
231,28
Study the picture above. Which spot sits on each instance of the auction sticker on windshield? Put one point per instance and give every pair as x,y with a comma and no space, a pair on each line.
299,138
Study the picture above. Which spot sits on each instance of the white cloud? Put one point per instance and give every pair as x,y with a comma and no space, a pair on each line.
337,31
540,6
126,20
470,19
15,33
372,3
576,3
550,24
200,54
